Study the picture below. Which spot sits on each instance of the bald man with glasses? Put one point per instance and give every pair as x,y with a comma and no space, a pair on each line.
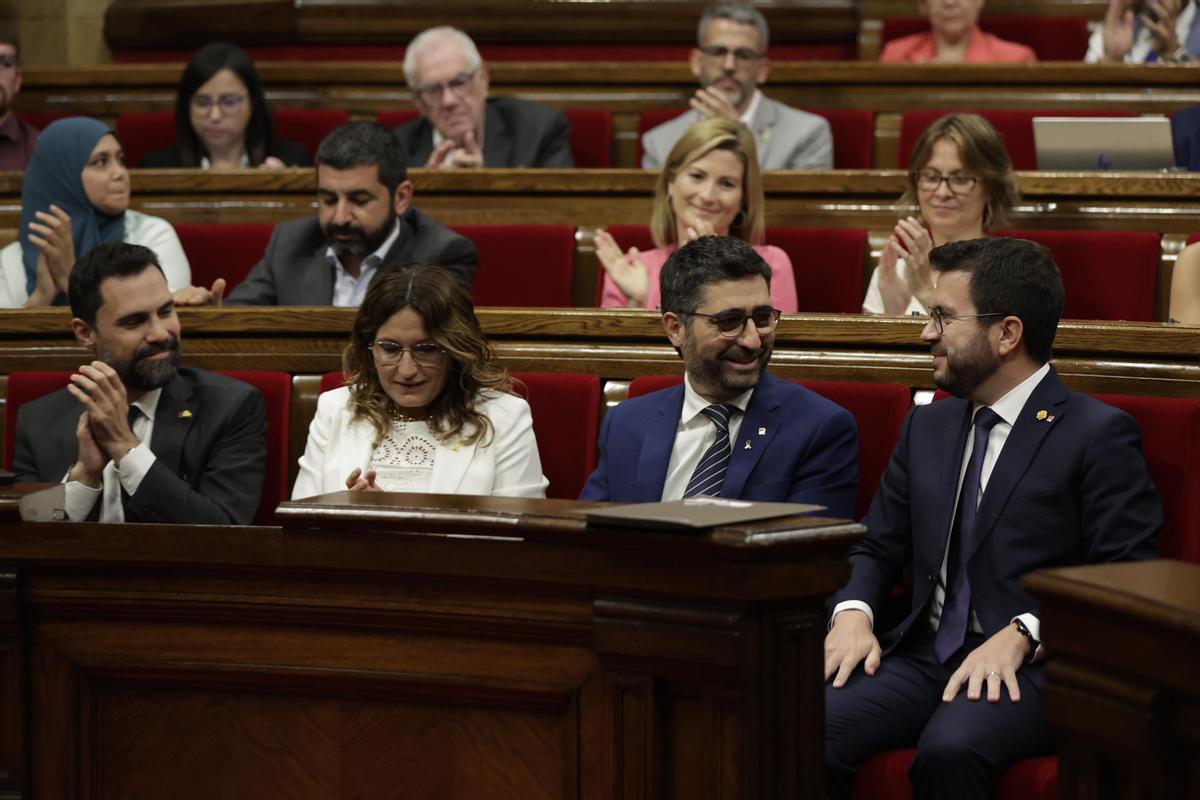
731,429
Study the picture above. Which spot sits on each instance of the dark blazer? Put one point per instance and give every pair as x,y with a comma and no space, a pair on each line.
294,272
804,449
292,154
516,133
208,465
1071,488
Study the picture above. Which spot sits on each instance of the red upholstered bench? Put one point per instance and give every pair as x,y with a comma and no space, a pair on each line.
1050,38
885,777
40,119
522,265
277,397
223,249
141,132
566,421
1014,126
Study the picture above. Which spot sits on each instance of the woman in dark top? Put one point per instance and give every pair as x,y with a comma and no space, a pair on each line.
221,117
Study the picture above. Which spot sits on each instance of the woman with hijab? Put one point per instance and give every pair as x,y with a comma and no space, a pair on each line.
75,195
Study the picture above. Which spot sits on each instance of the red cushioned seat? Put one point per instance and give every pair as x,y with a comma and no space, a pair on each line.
566,422
223,249
1016,128
1108,275
308,126
522,265
40,119
885,777
827,263
853,132
1050,38
277,395
878,408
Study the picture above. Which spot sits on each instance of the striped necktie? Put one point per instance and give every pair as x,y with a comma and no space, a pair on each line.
710,472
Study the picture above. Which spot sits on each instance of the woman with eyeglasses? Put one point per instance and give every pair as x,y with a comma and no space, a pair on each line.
963,186
221,117
75,196
426,408
711,184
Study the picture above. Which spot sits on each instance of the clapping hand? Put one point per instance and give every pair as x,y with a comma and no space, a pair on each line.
52,234
199,296
627,270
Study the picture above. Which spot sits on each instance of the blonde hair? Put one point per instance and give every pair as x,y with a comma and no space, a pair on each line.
707,135
982,152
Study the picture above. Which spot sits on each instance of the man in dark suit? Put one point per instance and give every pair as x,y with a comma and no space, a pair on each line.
134,437
732,429
1015,473
365,223
460,126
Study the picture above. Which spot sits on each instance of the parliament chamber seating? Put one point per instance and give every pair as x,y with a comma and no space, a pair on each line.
591,133
40,120
1050,38
276,388
1015,126
223,249
566,421
522,265
142,132
879,410
853,131
827,263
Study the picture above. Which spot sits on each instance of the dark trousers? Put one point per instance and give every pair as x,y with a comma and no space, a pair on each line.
963,747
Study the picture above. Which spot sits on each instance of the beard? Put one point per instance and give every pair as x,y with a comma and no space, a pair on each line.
967,370
139,372
361,242
713,377
737,96
5,102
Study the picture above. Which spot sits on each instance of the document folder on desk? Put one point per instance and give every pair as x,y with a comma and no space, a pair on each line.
694,514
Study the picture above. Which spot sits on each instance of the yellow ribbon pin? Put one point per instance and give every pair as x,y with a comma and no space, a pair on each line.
185,414
1041,415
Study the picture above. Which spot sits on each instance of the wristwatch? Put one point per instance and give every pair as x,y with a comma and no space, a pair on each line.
1023,629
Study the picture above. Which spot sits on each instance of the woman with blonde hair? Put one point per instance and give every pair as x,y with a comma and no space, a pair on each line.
964,186
710,184
425,408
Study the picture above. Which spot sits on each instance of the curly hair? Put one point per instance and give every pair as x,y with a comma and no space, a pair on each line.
449,317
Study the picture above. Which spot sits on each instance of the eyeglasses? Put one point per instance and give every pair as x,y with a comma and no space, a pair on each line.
730,324
425,354
227,103
940,316
742,55
930,179
431,94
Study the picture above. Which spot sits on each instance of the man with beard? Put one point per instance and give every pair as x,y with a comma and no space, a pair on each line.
730,61
732,429
1014,474
17,137
135,437
365,223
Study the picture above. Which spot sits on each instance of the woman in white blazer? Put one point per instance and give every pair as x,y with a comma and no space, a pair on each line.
425,408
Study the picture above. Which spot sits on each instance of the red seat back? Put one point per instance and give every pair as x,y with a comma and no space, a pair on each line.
308,126
885,777
522,265
1050,38
223,249
1015,126
1108,275
40,119
23,387
276,388
396,116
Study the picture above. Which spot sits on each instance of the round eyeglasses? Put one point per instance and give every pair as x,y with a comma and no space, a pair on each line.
425,354
730,324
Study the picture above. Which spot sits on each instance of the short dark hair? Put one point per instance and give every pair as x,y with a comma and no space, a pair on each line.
709,259
207,62
365,144
108,260
8,34
1014,277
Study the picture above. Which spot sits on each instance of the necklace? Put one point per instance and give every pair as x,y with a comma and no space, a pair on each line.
398,414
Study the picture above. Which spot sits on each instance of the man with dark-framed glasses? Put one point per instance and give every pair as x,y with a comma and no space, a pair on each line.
1012,474
731,429
460,126
730,61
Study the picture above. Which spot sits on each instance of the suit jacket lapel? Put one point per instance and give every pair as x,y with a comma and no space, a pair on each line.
354,449
761,414
400,250
763,126
497,140
1020,448
316,284
450,465
657,444
953,444
172,420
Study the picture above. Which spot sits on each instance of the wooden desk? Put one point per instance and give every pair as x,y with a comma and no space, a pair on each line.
490,648
1121,689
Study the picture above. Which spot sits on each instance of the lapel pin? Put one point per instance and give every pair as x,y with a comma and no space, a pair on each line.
747,445
1050,418
185,414
762,431
1041,415
458,445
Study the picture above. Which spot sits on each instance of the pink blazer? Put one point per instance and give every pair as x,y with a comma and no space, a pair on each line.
982,48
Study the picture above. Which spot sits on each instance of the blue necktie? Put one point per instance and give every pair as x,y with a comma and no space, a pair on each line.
956,610
709,474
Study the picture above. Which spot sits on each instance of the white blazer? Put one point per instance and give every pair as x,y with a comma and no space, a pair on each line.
508,465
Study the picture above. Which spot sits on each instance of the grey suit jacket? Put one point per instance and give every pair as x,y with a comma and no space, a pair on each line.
208,463
516,133
294,272
786,138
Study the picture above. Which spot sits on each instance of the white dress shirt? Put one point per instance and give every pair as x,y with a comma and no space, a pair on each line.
348,290
694,435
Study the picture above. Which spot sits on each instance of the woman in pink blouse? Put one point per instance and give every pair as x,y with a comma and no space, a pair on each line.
710,185
954,37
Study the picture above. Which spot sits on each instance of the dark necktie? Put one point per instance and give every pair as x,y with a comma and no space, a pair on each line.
956,609
709,474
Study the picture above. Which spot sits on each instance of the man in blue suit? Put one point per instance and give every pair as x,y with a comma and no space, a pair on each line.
1015,473
732,429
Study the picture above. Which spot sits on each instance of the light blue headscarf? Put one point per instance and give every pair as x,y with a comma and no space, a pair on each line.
55,175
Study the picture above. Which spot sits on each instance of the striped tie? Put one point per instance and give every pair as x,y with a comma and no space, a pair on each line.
710,472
